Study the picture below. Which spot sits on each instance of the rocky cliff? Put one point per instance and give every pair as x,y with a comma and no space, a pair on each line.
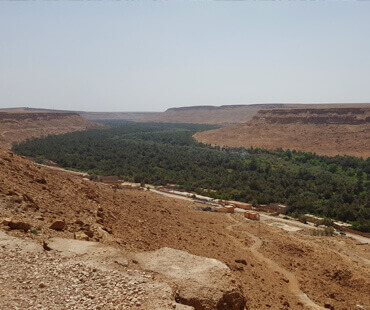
222,115
326,131
16,127
231,114
350,116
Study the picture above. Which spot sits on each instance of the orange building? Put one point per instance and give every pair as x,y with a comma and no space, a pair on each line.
252,215
226,209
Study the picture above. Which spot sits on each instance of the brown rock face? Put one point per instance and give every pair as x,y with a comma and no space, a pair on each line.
16,127
326,116
19,226
222,115
58,225
325,131
227,114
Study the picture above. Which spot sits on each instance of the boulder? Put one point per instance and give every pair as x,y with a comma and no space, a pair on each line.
40,180
202,283
89,233
79,222
58,225
80,235
19,226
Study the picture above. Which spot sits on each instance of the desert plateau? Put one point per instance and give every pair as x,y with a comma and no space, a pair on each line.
325,131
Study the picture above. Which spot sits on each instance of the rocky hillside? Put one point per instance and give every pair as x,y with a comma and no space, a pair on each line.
325,131
128,116
68,242
223,115
18,126
315,116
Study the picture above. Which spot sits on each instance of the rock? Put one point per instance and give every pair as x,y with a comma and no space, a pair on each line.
19,226
45,246
102,234
241,261
12,193
6,221
80,235
28,198
33,206
328,306
89,233
41,181
16,200
202,283
58,225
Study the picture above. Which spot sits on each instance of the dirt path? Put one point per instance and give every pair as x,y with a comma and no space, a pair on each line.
293,282
171,195
83,174
265,217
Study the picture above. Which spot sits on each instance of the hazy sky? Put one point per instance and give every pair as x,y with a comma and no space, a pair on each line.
152,55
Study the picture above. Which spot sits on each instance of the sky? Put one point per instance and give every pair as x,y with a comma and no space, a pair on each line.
154,55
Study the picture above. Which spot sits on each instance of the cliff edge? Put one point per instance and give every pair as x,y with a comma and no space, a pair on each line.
16,127
325,131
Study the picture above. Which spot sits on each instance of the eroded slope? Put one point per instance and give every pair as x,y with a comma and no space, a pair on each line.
19,126
136,221
325,131
222,115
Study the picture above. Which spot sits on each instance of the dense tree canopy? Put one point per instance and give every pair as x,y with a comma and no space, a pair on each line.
335,187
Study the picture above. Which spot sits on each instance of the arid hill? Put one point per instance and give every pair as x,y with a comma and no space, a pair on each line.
17,126
325,131
224,115
129,116
271,265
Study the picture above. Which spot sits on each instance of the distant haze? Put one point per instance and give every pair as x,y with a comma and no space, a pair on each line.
150,56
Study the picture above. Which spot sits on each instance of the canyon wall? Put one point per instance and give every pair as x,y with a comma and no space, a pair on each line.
325,131
16,127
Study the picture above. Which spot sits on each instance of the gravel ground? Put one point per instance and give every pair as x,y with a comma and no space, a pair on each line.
31,278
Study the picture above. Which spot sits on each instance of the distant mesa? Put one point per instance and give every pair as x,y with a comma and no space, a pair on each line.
94,116
224,115
340,130
17,125
127,116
